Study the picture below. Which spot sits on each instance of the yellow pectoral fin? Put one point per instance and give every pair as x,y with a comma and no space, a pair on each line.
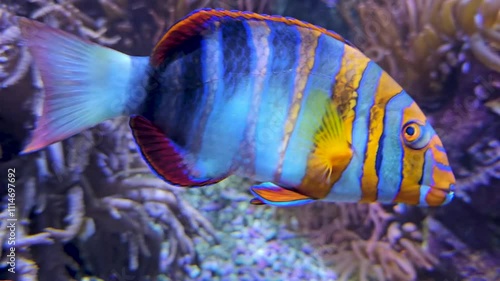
333,152
330,157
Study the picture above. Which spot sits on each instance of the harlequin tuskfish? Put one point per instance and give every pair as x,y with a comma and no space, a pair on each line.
283,102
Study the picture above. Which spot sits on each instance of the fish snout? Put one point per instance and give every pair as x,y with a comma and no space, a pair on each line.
440,187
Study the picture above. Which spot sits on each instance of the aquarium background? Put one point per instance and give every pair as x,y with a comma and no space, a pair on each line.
89,209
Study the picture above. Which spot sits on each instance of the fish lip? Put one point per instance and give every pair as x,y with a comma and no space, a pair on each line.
450,192
449,189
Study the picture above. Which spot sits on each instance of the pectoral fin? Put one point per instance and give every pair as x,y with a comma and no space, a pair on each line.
271,194
164,156
332,148
333,151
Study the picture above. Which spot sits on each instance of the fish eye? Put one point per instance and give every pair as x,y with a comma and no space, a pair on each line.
411,131
414,136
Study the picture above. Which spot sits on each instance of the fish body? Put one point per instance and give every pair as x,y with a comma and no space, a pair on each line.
280,101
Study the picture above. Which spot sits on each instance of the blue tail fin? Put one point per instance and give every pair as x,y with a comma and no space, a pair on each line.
84,83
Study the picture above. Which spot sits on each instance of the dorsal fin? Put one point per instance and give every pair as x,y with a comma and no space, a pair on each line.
196,22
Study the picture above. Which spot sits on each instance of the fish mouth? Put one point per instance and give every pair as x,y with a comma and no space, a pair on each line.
447,193
448,189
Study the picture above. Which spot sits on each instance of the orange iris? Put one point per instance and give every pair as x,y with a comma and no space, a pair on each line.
411,132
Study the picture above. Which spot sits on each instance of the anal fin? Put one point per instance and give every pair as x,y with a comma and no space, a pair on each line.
164,156
271,194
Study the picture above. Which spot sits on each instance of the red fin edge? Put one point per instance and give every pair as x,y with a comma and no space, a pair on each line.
164,157
256,201
194,23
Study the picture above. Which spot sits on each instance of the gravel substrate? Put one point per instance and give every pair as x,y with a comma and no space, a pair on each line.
253,243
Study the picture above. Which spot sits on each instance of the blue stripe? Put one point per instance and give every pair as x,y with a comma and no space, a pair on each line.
211,70
327,63
226,123
428,167
367,88
348,187
391,171
443,167
250,44
278,90
440,148
424,189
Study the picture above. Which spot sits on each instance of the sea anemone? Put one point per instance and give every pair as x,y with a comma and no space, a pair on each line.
365,241
420,43
94,195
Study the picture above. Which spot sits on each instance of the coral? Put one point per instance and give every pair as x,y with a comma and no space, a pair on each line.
66,15
94,192
364,242
158,16
486,155
15,60
467,264
420,43
260,6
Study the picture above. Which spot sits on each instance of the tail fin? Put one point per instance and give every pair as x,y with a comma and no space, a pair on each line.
84,83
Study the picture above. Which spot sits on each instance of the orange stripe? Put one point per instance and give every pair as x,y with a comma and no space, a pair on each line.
387,89
347,82
195,23
441,178
307,53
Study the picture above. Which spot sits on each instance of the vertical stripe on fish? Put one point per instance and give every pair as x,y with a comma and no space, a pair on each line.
276,99
391,165
411,172
385,91
230,111
213,69
347,91
296,168
307,53
259,31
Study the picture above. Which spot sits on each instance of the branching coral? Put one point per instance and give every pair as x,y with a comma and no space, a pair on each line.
419,41
466,263
365,242
65,14
93,191
485,155
15,60
151,19
260,6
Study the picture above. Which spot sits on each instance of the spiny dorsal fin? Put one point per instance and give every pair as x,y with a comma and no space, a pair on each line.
196,22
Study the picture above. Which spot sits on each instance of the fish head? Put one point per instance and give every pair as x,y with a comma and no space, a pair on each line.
417,159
